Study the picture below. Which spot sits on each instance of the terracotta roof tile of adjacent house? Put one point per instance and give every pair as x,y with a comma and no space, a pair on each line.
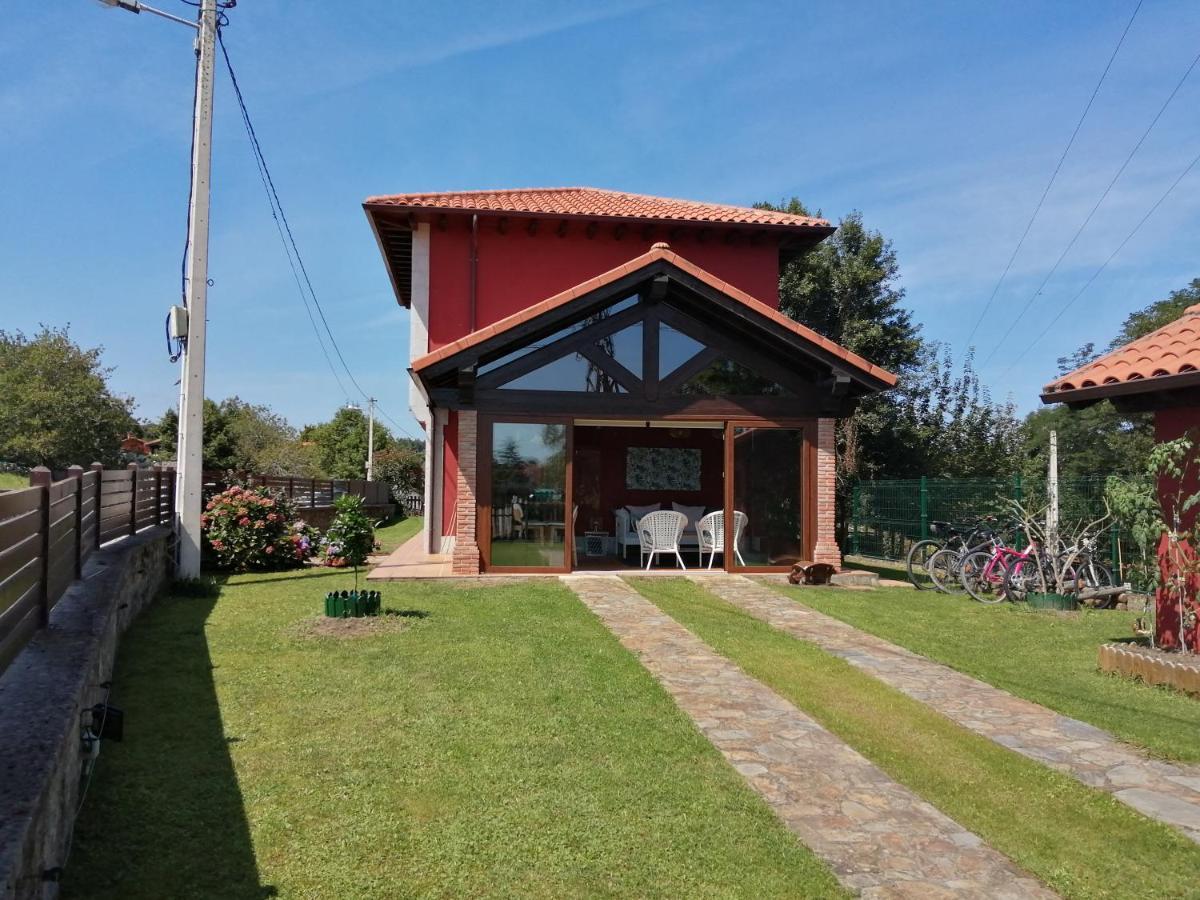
658,251
596,202
1173,349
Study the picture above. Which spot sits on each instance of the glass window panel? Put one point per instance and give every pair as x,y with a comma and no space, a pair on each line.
724,376
558,335
529,471
567,373
625,347
768,487
674,349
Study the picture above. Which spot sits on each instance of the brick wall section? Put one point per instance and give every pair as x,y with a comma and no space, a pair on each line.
826,549
465,560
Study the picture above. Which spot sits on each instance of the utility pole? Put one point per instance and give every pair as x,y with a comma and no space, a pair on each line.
371,439
190,463
1052,490
189,325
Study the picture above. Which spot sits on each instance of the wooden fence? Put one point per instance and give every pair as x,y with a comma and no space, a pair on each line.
48,530
303,492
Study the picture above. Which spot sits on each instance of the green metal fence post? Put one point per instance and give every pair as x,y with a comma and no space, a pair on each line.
924,508
1017,487
854,495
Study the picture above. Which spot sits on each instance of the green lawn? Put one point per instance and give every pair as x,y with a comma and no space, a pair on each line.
396,532
1049,658
10,481
526,553
503,745
1080,841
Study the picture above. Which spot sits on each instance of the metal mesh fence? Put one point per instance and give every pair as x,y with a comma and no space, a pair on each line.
887,517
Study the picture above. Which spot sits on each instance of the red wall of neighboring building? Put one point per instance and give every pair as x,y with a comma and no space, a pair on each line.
516,269
1170,424
599,468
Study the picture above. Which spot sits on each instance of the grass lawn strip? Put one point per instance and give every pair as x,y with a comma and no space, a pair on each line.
877,835
503,745
392,534
1080,841
1049,658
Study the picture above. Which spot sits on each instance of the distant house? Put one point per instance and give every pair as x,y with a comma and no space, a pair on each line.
137,446
582,357
1159,373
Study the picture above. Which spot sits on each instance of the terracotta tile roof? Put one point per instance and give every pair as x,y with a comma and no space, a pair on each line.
1173,349
658,251
595,203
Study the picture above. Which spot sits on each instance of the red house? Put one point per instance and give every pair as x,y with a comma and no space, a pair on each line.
583,357
1158,372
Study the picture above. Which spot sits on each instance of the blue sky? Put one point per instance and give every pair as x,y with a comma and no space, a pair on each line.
941,122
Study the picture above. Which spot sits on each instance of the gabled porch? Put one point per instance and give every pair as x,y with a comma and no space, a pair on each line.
654,388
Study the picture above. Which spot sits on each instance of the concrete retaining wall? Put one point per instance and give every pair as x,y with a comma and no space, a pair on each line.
43,694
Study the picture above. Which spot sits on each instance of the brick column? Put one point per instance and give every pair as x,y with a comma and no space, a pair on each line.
826,549
465,560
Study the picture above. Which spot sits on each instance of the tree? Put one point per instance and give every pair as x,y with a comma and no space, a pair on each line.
1157,314
402,468
342,443
56,408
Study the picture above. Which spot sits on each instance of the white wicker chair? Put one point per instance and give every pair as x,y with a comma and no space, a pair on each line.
659,532
711,531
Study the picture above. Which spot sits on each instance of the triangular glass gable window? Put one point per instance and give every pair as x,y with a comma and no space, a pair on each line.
516,354
726,377
625,347
674,349
567,373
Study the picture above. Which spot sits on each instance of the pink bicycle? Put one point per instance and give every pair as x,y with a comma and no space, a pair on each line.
983,572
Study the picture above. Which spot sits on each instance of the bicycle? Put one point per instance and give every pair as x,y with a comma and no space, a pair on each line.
923,551
984,574
944,567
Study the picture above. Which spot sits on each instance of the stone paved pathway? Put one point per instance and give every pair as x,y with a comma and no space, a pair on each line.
877,836
1164,791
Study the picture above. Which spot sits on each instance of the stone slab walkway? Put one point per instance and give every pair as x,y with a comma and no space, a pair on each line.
1167,792
877,836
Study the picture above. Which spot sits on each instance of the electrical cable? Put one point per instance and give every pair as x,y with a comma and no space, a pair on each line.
1054,175
1028,303
283,225
1049,325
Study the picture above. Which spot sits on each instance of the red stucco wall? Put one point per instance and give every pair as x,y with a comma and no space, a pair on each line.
517,270
1170,424
449,473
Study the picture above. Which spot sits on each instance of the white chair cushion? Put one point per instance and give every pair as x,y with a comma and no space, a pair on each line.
693,514
636,512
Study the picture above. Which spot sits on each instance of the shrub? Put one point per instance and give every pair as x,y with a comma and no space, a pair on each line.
251,528
350,538
402,468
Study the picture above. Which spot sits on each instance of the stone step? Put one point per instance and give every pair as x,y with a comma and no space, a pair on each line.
855,578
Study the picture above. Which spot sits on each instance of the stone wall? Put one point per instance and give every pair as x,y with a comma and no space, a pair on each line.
43,694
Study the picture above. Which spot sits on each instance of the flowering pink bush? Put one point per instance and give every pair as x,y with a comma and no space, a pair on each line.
251,528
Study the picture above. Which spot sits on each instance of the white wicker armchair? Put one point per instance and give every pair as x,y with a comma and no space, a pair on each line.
711,531
659,532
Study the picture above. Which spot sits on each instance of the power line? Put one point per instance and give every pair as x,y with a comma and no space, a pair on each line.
1092,212
1054,175
1028,303
1049,325
289,244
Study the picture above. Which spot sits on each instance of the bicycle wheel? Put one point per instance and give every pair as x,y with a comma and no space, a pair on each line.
1020,577
918,556
943,571
983,581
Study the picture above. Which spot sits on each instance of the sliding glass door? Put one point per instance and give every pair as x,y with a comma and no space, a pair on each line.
527,502
767,485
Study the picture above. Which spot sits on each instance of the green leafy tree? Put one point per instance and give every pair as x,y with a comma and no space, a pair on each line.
350,538
244,437
342,443
56,408
402,468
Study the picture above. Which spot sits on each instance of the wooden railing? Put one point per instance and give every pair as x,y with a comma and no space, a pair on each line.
48,530
304,492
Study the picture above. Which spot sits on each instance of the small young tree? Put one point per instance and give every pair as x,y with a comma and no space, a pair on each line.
350,538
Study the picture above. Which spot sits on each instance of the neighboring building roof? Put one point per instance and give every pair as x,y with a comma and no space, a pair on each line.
595,203
1151,363
659,251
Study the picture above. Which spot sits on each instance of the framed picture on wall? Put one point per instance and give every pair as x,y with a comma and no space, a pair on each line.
662,469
